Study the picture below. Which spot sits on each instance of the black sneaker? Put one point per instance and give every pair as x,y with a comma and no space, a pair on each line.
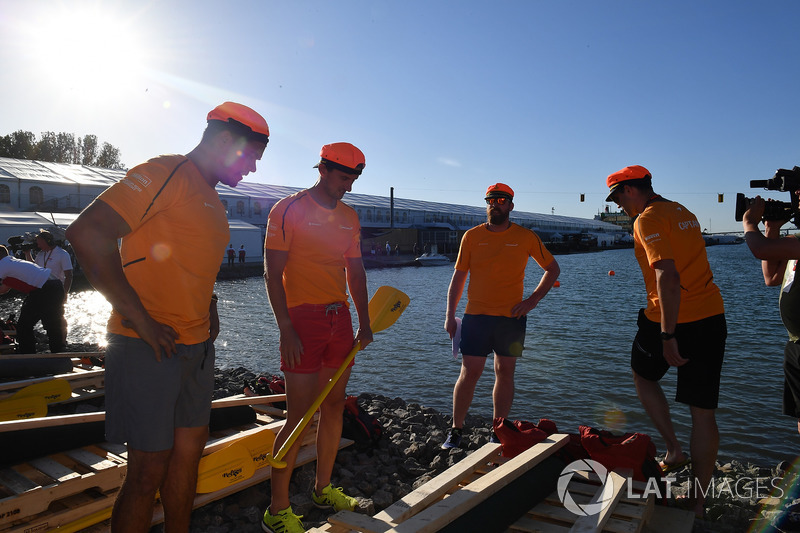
453,439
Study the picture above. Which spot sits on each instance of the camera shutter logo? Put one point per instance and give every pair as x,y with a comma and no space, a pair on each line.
587,509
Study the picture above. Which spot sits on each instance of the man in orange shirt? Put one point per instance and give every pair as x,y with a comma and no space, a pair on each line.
494,255
683,325
313,255
160,355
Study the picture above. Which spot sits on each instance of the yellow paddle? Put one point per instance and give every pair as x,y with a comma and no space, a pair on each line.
386,305
23,408
53,390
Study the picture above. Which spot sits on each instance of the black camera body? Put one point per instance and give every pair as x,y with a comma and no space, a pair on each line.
784,180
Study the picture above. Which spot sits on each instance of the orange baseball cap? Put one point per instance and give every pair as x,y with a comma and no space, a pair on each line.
618,178
499,189
342,156
241,115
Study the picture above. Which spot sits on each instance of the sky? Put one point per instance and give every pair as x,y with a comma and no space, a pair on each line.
444,97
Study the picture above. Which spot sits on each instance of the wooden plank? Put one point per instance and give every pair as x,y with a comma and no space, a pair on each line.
65,420
669,520
435,489
16,482
608,495
365,524
54,469
444,511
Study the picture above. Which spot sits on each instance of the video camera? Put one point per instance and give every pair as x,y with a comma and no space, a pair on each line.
784,180
22,243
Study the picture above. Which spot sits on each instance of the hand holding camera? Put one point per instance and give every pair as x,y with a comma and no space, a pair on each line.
773,210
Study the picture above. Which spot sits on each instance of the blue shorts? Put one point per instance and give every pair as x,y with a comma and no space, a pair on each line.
483,334
147,400
701,342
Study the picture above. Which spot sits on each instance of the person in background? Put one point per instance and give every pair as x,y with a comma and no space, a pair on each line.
44,301
54,257
683,325
494,256
231,255
313,255
160,355
779,256
242,254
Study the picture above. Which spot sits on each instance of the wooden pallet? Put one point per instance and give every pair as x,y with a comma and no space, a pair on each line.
80,486
441,502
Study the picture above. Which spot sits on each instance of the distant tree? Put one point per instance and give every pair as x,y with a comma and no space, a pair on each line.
88,150
46,148
65,148
60,148
109,158
18,145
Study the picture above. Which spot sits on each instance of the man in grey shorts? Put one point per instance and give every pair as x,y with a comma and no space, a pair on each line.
160,355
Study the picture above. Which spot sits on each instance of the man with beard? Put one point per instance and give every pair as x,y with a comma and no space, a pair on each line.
160,283
494,255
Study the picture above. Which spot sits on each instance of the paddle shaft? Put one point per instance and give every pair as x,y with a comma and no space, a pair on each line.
298,429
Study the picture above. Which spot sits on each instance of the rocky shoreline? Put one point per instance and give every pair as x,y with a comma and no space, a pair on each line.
409,454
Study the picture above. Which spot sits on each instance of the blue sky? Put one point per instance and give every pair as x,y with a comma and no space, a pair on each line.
444,97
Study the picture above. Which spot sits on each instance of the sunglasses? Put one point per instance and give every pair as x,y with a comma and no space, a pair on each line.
501,200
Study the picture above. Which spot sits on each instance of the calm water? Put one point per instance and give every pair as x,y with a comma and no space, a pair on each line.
576,366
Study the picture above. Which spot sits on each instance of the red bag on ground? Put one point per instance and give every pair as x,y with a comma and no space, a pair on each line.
516,436
634,451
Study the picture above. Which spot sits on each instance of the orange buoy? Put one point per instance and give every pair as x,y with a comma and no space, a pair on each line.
557,284
611,273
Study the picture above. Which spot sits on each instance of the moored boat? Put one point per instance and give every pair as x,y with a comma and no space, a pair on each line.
433,259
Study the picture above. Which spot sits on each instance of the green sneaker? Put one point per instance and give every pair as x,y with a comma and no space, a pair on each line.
333,498
283,522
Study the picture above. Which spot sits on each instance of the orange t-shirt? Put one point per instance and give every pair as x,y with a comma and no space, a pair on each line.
667,230
171,257
318,240
496,264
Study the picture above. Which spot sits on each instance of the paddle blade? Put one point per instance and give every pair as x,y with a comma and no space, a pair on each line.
23,408
259,445
54,390
224,468
386,305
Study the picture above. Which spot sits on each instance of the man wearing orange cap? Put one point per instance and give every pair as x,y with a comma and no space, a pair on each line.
494,255
313,255
160,355
683,325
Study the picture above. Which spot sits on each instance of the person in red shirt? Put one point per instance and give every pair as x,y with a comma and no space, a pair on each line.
683,325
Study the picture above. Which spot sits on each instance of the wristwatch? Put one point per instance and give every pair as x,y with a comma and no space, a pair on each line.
667,336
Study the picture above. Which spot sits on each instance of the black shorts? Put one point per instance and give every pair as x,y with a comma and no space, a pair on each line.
483,334
791,380
702,342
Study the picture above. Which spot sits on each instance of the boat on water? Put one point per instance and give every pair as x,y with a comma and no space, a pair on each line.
433,259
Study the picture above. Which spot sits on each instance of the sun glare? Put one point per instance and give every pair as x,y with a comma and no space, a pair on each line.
87,50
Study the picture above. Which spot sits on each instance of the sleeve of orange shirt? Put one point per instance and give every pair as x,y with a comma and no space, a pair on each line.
540,254
654,235
133,197
279,235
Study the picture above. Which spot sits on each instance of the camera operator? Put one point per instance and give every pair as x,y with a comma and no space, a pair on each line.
779,256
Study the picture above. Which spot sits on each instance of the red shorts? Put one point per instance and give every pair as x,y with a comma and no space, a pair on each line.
326,332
